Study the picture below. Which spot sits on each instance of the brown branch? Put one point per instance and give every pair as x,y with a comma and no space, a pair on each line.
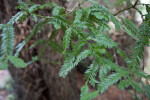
133,6
122,10
135,3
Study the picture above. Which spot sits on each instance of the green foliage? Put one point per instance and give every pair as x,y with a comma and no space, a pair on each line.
34,30
121,53
136,86
79,46
90,95
120,2
17,62
55,46
7,41
3,64
124,84
91,73
146,89
103,40
37,42
110,80
84,90
72,61
85,36
130,28
67,38
67,67
78,16
57,10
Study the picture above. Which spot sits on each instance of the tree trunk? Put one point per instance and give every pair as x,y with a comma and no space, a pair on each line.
40,80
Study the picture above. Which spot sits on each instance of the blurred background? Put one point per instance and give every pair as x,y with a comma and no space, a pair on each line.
30,84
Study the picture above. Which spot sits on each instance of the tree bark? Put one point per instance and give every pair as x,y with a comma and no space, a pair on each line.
40,80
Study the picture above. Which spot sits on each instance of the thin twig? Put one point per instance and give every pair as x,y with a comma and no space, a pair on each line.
135,3
143,4
74,6
123,10
143,64
132,6
116,61
139,12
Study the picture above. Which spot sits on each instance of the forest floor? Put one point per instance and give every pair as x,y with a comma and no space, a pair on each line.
5,85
